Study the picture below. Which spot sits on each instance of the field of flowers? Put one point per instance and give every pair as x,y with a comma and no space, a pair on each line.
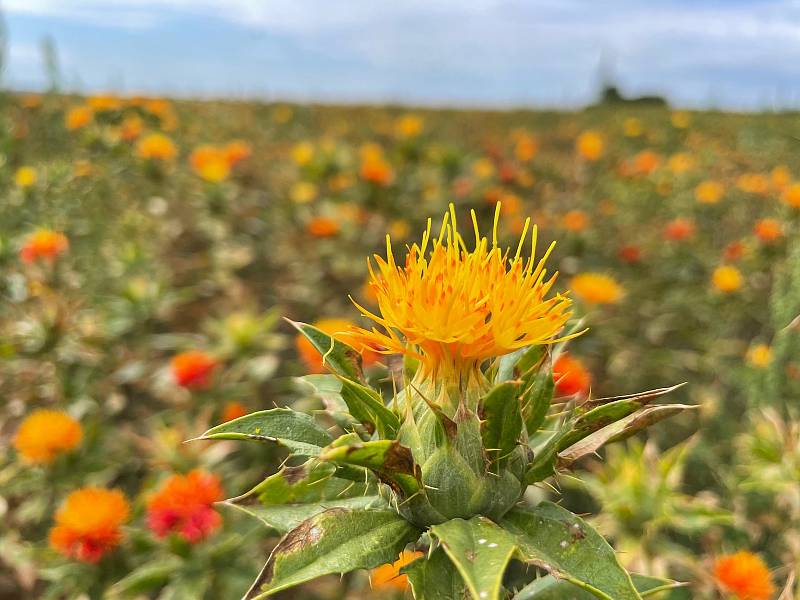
150,250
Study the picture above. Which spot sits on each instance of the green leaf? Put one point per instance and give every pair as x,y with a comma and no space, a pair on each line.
480,550
435,578
619,430
337,356
537,397
563,544
367,406
285,517
519,362
296,431
146,578
501,421
328,388
551,588
391,462
335,541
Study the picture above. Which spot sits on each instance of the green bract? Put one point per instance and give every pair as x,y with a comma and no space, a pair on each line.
443,470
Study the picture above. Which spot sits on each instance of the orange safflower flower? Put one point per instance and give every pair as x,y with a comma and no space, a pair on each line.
596,288
590,145
630,254
193,369
210,163
78,117
31,101
233,410
526,147
575,220
388,577
768,230
791,195
322,227
744,575
679,229
184,505
571,376
46,434
753,183
727,278
781,177
680,163
646,162
334,328
709,192
105,102
88,523
43,244
156,146
131,128
376,170
237,151
158,107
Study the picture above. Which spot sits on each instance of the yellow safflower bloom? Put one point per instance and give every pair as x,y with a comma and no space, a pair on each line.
596,288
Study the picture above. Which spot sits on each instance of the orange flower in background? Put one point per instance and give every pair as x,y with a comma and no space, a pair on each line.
233,410
46,434
630,254
744,575
590,145
388,577
43,244
322,227
709,192
733,251
575,220
727,278
680,163
571,376
25,177
31,101
156,146
791,195
210,163
131,128
781,177
753,183
106,102
78,117
334,328
237,151
596,288
526,147
679,229
376,170
184,506
768,230
88,523
645,163
193,369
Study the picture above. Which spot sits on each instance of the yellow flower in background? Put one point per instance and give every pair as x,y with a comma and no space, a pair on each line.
709,192
681,119
633,127
46,434
303,192
753,183
791,195
105,102
759,355
596,288
210,163
680,163
483,168
590,145
781,177
727,278
25,177
156,146
303,153
408,126
454,308
78,117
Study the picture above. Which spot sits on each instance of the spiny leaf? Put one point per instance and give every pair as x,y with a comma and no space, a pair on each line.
367,406
435,578
337,356
563,544
334,541
551,588
391,462
537,398
501,421
480,550
296,431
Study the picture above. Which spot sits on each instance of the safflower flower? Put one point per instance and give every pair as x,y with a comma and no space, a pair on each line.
596,288
78,117
590,145
46,434
43,244
184,505
768,230
25,177
727,278
193,369
156,146
744,575
571,376
388,577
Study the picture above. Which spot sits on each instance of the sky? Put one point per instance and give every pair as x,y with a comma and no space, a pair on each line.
734,54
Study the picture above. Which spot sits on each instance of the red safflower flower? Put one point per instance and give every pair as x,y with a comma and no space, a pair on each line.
733,251
744,575
233,410
184,505
193,369
43,244
630,254
768,230
679,229
571,376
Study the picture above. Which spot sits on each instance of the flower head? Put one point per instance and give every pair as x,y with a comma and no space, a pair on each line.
596,288
43,244
233,410
78,117
237,151
184,505
88,523
727,278
454,308
745,575
156,146
388,577
45,434
679,229
768,230
590,145
322,227
571,376
25,177
193,369
759,355
210,163
709,192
